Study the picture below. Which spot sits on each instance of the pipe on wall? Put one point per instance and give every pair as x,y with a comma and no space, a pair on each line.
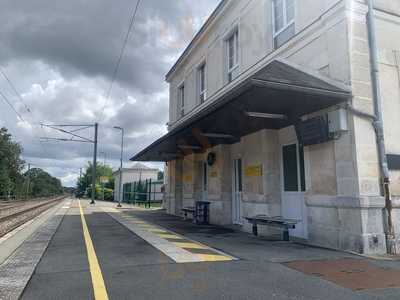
378,126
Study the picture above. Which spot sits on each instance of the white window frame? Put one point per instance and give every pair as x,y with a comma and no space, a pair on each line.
230,70
202,94
181,100
286,23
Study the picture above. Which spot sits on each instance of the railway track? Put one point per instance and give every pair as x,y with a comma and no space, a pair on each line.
6,204
13,219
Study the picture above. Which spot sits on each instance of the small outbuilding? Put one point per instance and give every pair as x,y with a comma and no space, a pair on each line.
138,172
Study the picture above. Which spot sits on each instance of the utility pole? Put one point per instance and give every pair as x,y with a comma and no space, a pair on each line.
102,187
74,137
80,181
378,126
28,182
104,157
120,189
94,164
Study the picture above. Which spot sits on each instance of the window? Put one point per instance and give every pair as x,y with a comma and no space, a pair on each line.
181,100
201,73
232,45
205,178
284,28
293,168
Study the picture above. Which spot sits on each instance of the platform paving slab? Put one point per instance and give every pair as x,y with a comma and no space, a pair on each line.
63,272
260,252
12,240
17,269
136,269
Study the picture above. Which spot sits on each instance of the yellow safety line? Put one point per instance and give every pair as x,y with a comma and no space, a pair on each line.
189,245
99,288
168,236
214,257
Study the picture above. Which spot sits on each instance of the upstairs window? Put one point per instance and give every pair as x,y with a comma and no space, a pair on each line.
232,45
202,88
284,27
181,100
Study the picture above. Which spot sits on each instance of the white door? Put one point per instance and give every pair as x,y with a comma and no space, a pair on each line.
293,188
205,182
237,192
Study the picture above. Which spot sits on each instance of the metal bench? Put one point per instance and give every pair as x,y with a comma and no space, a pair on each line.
286,224
200,212
188,210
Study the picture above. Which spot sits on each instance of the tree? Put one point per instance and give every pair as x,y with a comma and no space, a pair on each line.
160,175
42,184
11,164
84,184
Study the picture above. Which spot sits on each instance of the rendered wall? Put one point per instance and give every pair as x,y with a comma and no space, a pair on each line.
388,27
344,202
254,21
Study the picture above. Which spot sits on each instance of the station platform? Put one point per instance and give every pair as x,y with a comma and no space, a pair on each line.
101,252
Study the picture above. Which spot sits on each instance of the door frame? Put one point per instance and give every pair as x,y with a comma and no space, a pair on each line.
298,168
299,193
237,196
204,181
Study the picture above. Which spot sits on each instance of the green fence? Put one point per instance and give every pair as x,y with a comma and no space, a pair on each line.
148,193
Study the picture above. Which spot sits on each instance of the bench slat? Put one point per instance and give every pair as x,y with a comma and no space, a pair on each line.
188,209
276,220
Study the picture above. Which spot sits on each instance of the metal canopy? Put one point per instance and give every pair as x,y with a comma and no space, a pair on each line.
278,89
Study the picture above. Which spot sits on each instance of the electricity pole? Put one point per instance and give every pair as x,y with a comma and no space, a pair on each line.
104,157
94,165
79,183
74,137
120,190
28,182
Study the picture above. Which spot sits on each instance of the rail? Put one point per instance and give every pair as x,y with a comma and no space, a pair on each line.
15,219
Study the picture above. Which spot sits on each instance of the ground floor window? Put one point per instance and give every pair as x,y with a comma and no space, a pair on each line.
293,168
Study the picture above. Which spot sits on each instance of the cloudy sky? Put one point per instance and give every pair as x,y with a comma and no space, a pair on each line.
60,56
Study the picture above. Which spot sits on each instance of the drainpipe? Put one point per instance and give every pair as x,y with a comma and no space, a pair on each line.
378,126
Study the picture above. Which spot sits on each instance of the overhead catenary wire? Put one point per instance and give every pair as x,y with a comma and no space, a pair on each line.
20,98
38,124
5,99
121,55
14,90
19,115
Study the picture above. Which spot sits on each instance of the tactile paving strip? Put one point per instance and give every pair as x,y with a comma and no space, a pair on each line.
177,247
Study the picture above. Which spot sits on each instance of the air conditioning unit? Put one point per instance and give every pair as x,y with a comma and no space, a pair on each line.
337,121
313,131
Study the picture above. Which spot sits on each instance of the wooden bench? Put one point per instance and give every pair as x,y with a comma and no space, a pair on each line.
188,210
286,224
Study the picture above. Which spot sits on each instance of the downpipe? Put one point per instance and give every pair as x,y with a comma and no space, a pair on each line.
378,126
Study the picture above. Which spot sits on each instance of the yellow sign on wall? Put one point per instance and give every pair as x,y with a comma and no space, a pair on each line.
213,174
187,178
253,171
104,179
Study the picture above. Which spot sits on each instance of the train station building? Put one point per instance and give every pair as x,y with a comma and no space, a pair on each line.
271,113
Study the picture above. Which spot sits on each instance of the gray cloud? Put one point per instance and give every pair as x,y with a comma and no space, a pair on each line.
85,36
60,56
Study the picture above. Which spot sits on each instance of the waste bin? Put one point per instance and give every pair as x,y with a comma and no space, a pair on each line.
202,214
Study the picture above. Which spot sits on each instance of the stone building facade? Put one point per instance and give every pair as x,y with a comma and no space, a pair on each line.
290,61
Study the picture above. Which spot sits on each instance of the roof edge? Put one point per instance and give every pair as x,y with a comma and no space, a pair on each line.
306,70
203,28
130,170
